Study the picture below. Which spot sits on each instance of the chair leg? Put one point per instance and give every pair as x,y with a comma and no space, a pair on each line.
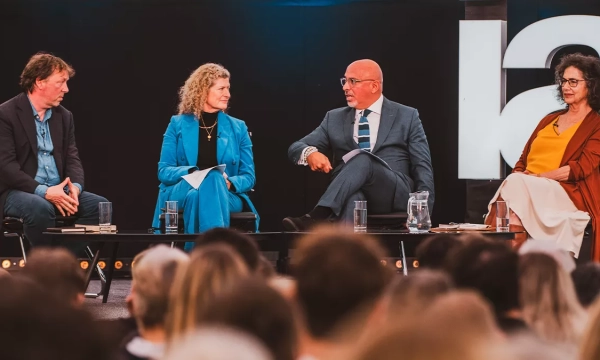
94,258
23,248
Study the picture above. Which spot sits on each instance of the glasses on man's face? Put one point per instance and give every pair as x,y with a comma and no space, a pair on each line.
572,82
353,81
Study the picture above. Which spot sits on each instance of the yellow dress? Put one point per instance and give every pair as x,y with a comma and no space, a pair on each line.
548,148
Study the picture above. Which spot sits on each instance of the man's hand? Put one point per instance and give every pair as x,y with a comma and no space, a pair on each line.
319,162
74,193
228,184
63,202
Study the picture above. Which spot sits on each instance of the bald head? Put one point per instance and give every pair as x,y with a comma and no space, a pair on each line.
368,83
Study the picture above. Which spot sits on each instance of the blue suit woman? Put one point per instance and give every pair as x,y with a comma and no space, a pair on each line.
200,136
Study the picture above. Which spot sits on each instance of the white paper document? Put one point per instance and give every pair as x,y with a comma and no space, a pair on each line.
355,152
197,177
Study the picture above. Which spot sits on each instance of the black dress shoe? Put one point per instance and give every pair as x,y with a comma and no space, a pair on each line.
301,223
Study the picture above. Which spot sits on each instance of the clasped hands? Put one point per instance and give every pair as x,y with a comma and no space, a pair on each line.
319,162
65,203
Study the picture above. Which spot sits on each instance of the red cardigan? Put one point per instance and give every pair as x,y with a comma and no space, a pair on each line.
583,156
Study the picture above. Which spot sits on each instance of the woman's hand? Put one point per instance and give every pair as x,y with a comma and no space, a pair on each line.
560,174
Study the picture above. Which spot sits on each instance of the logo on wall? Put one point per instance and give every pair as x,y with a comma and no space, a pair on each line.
489,128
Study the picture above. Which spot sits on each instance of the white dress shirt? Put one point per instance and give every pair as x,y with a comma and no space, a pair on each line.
373,118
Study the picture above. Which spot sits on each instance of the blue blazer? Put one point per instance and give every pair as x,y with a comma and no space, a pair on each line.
180,153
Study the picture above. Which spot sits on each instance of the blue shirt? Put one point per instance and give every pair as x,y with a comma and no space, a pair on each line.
47,172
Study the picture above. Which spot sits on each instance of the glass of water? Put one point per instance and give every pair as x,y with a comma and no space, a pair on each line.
360,216
502,216
105,218
171,217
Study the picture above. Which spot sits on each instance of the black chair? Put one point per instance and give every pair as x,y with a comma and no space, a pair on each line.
242,221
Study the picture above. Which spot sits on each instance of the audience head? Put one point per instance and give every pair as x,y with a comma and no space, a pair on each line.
563,258
590,346
37,326
580,67
363,83
212,270
152,276
432,252
490,267
4,273
207,85
257,309
265,268
410,295
243,244
458,325
586,279
58,272
218,343
337,274
548,300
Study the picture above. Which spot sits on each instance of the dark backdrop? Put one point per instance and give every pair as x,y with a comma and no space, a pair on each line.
285,58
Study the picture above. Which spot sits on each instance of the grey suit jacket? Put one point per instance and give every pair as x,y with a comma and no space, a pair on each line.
401,142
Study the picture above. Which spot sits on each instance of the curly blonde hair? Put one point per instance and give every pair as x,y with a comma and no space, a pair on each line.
193,94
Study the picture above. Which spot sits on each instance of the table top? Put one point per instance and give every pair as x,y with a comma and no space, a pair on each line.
133,236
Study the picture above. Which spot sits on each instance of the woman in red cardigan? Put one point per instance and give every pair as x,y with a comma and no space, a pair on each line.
555,186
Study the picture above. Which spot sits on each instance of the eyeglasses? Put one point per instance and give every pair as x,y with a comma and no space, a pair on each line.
572,82
353,81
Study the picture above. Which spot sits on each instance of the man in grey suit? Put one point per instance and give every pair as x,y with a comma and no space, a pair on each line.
391,131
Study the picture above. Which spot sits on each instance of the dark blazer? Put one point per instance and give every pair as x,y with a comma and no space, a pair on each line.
19,148
401,142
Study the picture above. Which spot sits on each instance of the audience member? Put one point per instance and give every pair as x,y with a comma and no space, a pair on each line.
37,326
432,252
259,310
457,326
212,270
586,279
412,294
548,300
58,272
152,277
490,267
339,277
243,244
561,256
218,343
265,269
590,346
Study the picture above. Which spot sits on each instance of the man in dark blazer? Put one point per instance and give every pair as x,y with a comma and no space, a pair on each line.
391,131
40,171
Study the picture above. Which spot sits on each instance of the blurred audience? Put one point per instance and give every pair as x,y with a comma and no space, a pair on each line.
241,243
548,300
218,343
561,256
152,277
432,252
490,267
259,310
212,270
37,325
412,294
339,286
590,346
586,279
58,271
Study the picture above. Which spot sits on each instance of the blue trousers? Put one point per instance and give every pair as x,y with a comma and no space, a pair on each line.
38,214
208,206
364,178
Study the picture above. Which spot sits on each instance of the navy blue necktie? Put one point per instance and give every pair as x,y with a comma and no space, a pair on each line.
364,136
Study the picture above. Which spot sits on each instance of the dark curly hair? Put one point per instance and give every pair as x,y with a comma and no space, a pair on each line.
590,67
41,66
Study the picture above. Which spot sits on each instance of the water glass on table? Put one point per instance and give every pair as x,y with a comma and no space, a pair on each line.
360,216
105,218
171,217
502,216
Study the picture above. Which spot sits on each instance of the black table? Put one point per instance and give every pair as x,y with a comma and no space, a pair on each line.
281,242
